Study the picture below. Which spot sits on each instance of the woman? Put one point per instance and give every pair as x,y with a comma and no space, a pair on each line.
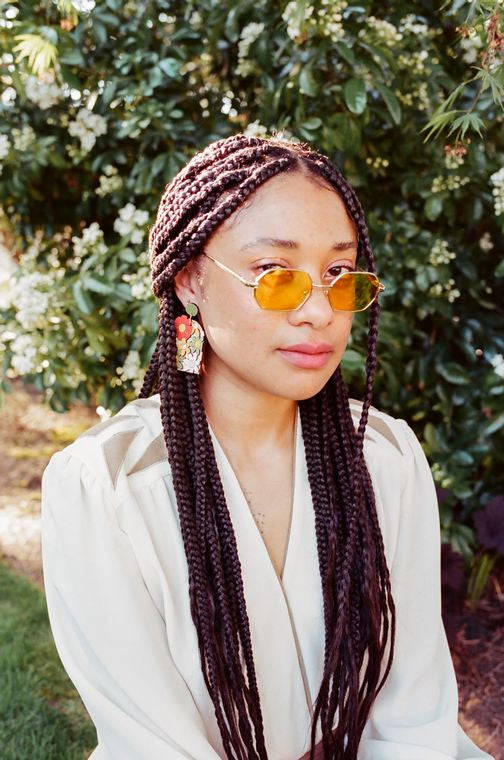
245,564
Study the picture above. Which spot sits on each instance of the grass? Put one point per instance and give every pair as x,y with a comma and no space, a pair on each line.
41,714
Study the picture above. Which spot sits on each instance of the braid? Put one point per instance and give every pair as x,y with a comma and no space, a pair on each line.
359,615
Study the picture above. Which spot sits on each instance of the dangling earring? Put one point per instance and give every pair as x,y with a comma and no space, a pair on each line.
189,336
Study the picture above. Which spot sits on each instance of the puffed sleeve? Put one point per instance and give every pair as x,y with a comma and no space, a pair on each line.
108,632
415,716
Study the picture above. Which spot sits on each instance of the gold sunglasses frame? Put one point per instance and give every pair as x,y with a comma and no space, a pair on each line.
326,288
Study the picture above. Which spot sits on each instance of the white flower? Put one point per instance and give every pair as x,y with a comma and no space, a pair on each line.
413,61
329,19
110,182
29,296
83,6
8,95
140,217
497,180
44,92
139,281
103,413
302,19
471,45
131,221
91,242
408,24
137,236
248,35
453,160
451,182
445,289
23,138
5,146
195,20
132,370
485,242
295,16
127,212
497,363
7,269
439,253
25,354
255,129
382,30
131,366
378,162
87,127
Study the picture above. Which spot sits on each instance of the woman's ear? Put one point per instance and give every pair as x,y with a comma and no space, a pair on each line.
186,285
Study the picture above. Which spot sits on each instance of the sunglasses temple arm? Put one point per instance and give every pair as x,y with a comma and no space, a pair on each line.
230,271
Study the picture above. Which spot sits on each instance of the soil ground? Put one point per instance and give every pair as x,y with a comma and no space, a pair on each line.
30,433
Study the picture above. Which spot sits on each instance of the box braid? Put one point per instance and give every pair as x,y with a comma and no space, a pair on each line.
359,613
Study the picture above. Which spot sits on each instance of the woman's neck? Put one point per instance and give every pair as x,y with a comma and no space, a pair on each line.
246,418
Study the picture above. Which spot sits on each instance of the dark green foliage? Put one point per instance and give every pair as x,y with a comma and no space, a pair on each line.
169,78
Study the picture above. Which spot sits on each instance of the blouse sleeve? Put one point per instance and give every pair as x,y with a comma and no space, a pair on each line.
108,632
415,715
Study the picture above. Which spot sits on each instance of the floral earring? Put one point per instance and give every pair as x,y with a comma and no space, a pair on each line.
189,337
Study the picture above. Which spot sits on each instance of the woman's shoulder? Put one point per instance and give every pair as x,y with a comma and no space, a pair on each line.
129,442
385,434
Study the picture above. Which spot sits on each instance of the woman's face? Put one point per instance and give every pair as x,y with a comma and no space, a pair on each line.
290,221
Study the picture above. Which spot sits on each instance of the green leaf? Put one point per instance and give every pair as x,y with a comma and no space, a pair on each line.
69,77
353,362
170,67
91,282
231,27
82,298
434,439
100,32
463,458
346,134
345,52
493,425
437,123
433,207
72,57
96,340
391,102
307,82
355,95
379,52
313,123
453,373
499,270
41,53
109,92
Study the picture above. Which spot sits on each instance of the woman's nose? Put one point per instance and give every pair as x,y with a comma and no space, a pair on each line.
316,310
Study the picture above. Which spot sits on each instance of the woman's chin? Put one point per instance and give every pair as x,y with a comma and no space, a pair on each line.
305,388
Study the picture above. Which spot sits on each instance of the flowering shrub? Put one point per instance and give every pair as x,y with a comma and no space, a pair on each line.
112,98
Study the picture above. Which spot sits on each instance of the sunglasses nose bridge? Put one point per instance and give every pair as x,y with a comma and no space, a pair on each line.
311,289
325,288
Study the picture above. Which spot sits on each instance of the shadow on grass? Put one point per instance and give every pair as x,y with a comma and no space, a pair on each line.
41,714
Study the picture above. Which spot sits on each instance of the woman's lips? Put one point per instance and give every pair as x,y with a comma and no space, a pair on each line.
307,355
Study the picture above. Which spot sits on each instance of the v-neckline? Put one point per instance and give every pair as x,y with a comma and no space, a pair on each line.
224,459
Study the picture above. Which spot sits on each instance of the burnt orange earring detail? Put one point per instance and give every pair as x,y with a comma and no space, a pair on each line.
189,337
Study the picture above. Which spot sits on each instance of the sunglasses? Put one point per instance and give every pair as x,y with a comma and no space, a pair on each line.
280,289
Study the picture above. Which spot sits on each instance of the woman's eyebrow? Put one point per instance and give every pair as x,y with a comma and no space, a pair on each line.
279,243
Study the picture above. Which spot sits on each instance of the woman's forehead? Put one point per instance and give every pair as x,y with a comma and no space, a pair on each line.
289,206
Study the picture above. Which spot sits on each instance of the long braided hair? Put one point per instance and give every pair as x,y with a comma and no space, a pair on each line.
359,613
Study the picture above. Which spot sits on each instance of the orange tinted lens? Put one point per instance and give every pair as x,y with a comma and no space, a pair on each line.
283,289
353,291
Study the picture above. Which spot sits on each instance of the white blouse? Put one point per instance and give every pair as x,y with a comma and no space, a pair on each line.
116,581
